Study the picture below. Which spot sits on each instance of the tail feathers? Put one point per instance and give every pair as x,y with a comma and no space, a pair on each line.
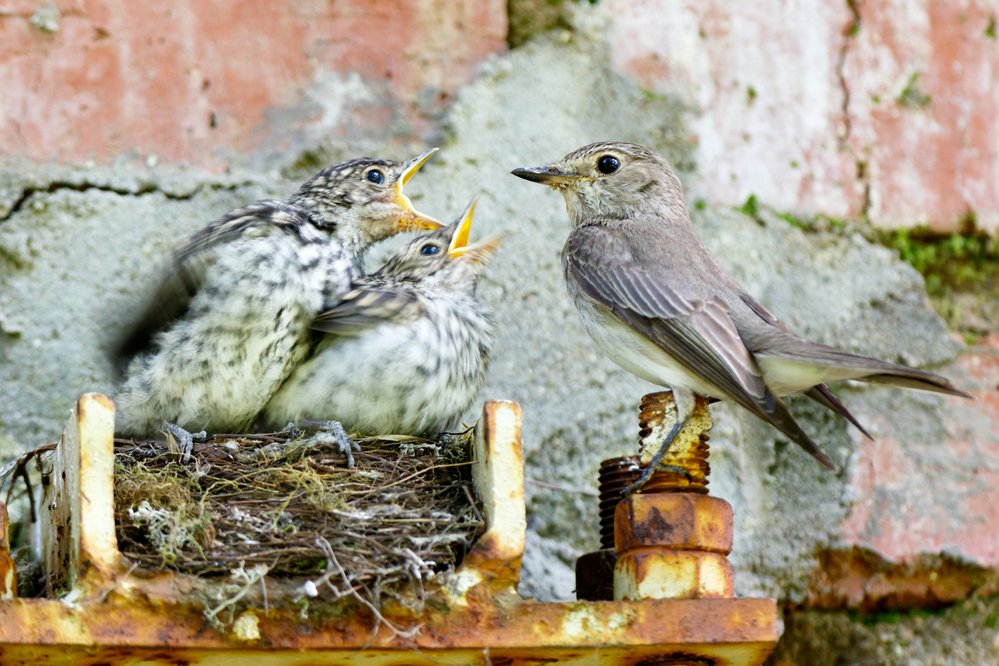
822,395
841,364
781,419
917,379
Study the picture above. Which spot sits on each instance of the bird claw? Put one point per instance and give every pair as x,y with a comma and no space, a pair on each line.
331,432
185,439
647,473
294,432
346,445
656,463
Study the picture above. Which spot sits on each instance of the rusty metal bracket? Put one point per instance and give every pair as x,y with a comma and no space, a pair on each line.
109,614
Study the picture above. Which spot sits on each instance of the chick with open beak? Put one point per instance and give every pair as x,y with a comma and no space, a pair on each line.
406,350
231,320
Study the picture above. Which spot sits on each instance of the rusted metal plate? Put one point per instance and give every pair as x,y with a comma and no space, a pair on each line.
77,510
727,630
114,616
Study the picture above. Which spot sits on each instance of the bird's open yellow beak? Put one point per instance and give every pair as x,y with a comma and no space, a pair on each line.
459,246
549,175
413,220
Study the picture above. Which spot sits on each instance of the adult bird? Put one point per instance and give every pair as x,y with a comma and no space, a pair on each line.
232,317
405,350
659,304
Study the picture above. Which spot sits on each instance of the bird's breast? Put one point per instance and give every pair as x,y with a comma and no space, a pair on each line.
637,354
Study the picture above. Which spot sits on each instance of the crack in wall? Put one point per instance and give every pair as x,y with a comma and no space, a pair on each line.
850,33
149,188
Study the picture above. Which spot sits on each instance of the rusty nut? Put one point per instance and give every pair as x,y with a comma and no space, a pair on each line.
682,574
677,521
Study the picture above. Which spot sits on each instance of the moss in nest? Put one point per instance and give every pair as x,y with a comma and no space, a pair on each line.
285,507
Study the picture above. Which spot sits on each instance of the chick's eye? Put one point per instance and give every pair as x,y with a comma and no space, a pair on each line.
429,249
608,164
375,176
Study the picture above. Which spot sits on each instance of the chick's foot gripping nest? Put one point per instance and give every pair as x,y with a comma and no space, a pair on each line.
328,432
183,439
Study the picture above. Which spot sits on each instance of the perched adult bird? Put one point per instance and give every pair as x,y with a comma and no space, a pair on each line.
658,304
405,351
234,313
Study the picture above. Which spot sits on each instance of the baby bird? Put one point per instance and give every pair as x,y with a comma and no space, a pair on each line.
234,315
405,351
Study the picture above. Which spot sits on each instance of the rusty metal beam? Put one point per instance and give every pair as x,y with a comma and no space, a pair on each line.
112,615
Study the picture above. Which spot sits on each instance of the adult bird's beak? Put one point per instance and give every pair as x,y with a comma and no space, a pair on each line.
549,175
459,246
413,220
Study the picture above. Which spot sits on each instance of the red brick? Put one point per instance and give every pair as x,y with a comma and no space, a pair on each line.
824,100
118,77
936,163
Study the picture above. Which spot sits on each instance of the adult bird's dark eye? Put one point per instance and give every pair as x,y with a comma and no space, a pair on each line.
375,176
608,164
429,250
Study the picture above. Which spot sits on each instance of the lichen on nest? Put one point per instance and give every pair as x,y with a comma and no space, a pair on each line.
290,507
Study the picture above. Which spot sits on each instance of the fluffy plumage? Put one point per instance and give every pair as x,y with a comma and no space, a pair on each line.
406,350
232,317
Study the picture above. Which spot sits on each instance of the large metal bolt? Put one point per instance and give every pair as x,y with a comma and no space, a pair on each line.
688,451
671,538
595,571
673,546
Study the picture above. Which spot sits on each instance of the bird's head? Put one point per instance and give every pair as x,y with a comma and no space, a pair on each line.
609,180
362,201
443,257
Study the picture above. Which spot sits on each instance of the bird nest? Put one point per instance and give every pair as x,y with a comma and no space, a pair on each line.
284,507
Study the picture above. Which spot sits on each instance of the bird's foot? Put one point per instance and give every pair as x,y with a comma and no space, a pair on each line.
647,473
293,431
656,463
332,432
185,440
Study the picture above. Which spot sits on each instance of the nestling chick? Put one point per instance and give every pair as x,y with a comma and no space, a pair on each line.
234,315
405,351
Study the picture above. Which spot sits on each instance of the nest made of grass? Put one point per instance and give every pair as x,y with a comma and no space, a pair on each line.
290,507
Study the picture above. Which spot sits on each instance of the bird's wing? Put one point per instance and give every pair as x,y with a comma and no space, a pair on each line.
182,278
367,306
698,333
263,217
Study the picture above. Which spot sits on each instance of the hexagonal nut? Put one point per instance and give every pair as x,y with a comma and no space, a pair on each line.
684,574
677,521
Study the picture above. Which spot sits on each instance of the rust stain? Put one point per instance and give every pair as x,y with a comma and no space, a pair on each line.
861,579
675,521
8,571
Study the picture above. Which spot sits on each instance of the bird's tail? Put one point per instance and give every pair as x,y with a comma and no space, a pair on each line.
917,379
822,395
829,364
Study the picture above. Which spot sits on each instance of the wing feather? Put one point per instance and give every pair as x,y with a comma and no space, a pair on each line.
365,307
181,280
699,334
